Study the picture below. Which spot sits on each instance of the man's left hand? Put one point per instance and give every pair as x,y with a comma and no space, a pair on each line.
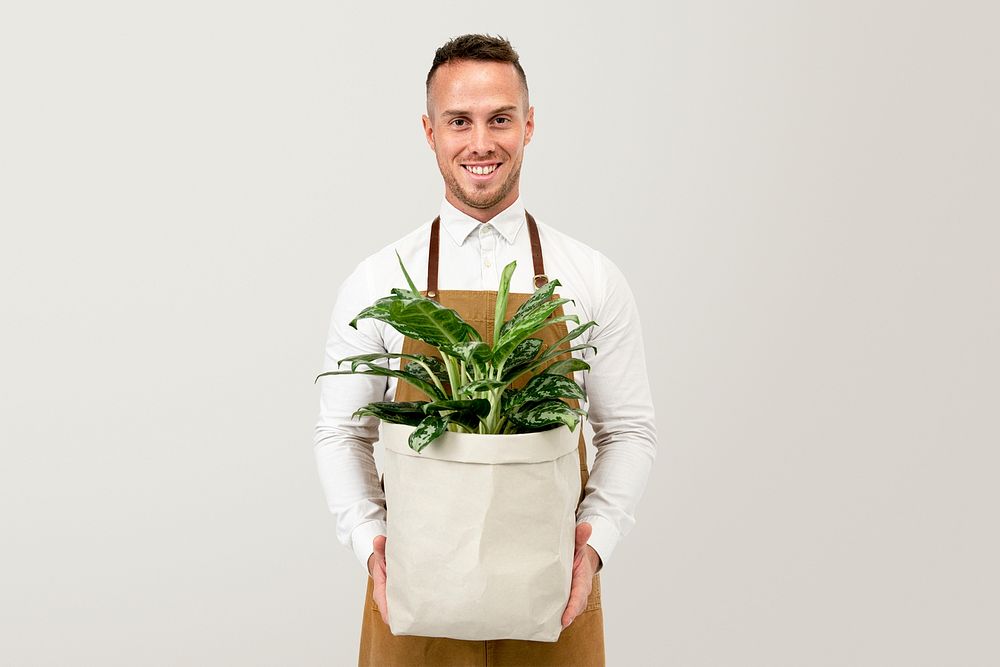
586,562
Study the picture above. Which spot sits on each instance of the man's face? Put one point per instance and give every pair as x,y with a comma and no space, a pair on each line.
478,124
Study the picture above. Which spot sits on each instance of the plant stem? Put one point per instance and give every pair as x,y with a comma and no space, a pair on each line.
453,374
434,378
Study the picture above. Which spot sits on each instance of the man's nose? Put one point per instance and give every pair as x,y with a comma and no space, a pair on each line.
481,140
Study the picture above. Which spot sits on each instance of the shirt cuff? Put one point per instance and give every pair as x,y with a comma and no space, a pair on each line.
604,538
361,540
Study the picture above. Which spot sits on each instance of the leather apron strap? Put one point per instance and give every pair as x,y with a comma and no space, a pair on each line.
434,251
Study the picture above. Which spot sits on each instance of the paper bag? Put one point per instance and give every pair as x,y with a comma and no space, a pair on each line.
481,533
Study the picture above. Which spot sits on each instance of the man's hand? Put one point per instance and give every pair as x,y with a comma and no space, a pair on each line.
585,563
376,569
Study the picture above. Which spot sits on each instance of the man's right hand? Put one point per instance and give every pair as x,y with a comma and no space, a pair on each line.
376,569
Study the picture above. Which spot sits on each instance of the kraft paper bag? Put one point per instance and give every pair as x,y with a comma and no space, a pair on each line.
480,533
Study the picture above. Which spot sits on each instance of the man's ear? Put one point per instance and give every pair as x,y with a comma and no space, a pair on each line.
529,125
428,131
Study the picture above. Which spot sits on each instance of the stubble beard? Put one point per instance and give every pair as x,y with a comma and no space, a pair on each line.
485,199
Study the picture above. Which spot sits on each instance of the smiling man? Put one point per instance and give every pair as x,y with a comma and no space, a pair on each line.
478,123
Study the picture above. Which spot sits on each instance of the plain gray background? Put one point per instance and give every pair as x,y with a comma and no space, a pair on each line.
803,196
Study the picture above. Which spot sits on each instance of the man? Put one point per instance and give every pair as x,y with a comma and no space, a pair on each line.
478,123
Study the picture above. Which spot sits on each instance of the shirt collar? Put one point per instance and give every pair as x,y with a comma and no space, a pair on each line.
460,226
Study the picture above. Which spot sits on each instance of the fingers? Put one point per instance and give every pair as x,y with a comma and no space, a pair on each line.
377,569
578,593
582,576
378,594
583,532
377,558
577,603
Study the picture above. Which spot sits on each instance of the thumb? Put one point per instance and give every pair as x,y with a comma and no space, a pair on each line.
583,532
378,545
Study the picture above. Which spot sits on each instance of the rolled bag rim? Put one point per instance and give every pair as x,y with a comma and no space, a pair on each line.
495,449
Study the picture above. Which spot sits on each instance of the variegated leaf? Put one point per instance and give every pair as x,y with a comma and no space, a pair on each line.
547,413
549,355
426,432
418,382
369,359
480,385
565,366
473,353
540,296
477,406
542,387
537,319
525,351
409,413
420,318
572,334
440,372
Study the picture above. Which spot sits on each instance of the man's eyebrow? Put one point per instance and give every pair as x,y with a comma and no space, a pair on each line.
451,113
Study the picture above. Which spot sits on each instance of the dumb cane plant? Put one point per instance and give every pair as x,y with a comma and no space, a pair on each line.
470,386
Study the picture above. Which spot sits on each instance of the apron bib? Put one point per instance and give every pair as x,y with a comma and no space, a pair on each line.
579,645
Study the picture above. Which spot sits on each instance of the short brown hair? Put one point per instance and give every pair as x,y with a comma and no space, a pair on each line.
477,47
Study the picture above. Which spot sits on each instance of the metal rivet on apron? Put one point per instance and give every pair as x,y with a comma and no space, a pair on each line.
544,278
432,295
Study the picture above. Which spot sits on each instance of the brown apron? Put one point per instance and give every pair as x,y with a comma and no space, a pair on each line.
579,645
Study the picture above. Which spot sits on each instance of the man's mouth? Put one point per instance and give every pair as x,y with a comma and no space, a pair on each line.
481,169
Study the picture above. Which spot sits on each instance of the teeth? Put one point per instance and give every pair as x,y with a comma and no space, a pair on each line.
482,171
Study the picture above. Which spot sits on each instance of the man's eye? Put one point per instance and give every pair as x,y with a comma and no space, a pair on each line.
459,122
501,120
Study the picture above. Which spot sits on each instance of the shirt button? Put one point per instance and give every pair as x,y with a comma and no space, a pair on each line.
487,263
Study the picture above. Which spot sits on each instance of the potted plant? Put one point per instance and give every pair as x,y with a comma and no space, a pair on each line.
481,480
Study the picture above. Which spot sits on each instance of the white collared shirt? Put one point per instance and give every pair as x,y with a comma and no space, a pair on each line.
472,256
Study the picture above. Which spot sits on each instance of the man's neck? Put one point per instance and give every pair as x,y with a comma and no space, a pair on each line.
482,214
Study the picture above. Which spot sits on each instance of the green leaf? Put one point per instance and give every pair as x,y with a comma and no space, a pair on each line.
525,351
541,295
526,326
420,318
466,419
480,407
418,382
481,385
553,353
567,366
547,413
545,358
360,359
573,334
409,281
501,308
473,353
415,368
409,413
506,397
440,372
543,387
519,359
426,432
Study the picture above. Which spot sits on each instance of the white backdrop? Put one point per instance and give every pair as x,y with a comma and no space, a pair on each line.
802,195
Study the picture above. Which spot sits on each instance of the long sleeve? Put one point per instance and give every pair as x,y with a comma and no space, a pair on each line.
472,254
344,445
620,411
